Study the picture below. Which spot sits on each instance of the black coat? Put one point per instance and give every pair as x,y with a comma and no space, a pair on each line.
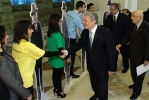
101,58
11,77
139,43
102,55
4,91
121,28
36,37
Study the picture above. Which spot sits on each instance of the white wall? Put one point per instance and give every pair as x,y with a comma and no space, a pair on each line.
143,5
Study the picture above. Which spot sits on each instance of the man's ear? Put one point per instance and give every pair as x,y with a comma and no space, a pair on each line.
94,21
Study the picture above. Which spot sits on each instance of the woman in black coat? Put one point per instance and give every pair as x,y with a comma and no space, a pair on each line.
11,86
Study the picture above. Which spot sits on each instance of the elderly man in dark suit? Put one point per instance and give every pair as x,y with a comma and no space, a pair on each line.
119,24
101,55
138,38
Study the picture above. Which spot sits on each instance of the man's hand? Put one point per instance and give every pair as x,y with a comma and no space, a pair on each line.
145,63
64,54
110,73
118,47
30,97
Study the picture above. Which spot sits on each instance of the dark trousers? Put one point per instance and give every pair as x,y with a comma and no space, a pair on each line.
99,84
38,72
38,79
72,42
125,56
56,77
138,80
31,91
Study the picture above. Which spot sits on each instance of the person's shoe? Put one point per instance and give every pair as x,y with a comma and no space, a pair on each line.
59,94
130,86
75,76
124,70
134,97
94,98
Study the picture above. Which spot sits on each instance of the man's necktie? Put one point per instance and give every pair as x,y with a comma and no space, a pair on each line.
90,37
134,31
114,19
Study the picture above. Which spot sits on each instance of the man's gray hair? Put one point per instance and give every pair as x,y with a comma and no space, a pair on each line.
93,16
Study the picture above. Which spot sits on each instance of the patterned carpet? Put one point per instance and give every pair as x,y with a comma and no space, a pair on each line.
144,96
117,87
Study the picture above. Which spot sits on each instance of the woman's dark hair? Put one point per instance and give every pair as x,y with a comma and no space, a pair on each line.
129,13
53,24
21,30
2,35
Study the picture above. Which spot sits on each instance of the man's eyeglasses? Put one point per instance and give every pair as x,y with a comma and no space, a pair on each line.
134,16
112,9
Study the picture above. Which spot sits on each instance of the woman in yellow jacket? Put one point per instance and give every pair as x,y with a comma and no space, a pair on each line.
26,53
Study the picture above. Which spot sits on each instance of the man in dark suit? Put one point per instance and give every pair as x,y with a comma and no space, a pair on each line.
138,38
101,55
146,15
119,24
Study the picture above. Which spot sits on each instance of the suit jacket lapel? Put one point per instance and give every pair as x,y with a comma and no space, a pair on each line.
95,37
87,38
118,18
138,31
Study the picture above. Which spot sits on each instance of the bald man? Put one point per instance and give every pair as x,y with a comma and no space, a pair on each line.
138,37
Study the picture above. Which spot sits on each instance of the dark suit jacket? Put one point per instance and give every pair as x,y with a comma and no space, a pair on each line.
36,37
139,43
11,77
4,91
102,56
121,27
146,15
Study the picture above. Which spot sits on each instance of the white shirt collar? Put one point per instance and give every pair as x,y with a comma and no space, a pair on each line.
93,32
94,29
138,25
116,15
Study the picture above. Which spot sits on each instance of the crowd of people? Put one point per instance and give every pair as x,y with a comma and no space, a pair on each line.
122,32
